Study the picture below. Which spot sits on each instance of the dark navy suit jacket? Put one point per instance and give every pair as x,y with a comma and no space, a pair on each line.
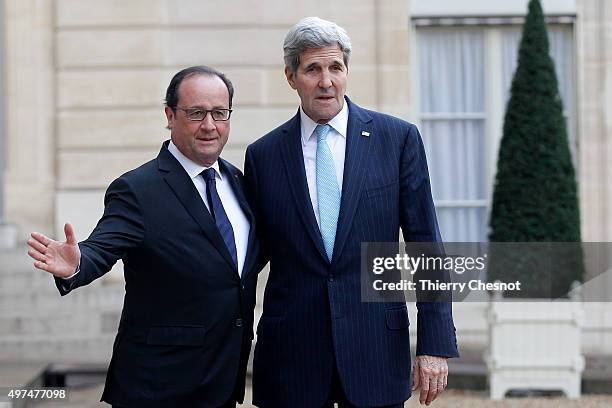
186,327
313,316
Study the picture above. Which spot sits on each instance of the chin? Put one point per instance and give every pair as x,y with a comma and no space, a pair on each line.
328,116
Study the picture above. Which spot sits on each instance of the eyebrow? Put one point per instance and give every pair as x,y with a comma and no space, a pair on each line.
312,65
333,62
203,108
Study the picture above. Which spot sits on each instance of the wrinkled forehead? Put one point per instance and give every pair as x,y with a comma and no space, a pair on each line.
327,54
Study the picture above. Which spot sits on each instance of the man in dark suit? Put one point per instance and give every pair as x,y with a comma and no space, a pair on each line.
332,177
185,233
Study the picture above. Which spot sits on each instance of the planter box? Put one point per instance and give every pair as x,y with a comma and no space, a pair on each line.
534,345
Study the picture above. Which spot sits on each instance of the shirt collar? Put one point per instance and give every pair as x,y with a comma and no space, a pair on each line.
192,168
339,123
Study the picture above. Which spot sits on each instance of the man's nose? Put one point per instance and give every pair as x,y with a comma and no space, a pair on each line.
325,81
208,123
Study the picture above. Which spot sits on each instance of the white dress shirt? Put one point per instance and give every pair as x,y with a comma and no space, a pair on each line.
237,218
336,140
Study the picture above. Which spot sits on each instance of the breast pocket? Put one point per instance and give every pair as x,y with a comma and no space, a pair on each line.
386,189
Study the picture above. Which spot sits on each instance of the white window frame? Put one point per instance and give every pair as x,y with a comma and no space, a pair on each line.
493,98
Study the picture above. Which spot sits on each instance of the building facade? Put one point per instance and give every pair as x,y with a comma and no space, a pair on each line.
83,83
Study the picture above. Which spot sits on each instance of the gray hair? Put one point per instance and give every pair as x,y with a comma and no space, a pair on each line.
314,32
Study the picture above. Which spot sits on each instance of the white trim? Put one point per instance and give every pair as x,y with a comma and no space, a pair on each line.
570,111
460,203
485,21
453,116
495,111
415,82
429,8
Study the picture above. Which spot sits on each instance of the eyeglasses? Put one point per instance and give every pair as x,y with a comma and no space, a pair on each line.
198,114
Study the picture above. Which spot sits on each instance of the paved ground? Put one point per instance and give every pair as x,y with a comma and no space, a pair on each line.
473,377
88,398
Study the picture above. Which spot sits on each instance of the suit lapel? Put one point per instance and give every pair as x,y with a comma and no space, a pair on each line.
188,195
293,156
236,183
355,171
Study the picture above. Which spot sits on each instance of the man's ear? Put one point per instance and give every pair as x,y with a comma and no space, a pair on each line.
169,116
290,77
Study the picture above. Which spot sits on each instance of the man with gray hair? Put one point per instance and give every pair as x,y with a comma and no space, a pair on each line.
332,177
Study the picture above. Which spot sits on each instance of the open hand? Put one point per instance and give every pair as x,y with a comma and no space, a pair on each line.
61,259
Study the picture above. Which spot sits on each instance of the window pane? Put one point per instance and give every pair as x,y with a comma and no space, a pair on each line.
451,82
451,70
456,156
463,224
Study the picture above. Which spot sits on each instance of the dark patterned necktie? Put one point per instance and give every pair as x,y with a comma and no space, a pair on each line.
218,213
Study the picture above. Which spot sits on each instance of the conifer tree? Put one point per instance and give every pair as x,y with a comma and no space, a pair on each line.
535,193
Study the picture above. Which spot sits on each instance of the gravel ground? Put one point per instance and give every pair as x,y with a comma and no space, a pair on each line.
474,399
88,398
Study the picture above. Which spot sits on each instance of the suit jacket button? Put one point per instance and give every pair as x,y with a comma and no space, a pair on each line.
330,277
238,322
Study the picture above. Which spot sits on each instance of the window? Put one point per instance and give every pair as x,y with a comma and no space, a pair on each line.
462,84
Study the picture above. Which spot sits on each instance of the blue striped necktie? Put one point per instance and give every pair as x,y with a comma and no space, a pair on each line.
218,213
328,192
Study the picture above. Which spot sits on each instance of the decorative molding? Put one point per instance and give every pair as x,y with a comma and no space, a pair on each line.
449,21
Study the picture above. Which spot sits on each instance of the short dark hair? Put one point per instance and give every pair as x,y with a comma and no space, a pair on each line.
172,95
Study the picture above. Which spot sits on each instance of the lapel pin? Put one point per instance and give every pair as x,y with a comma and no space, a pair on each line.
364,133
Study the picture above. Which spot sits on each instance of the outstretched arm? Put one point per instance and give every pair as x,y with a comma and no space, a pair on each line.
120,230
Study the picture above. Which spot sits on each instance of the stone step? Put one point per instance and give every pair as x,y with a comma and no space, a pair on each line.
81,348
16,324
96,295
26,280
25,325
35,301
29,301
20,374
15,258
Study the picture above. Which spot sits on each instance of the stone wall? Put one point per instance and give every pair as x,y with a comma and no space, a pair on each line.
85,86
86,81
594,40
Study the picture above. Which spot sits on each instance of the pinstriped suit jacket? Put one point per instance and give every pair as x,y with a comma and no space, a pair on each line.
312,312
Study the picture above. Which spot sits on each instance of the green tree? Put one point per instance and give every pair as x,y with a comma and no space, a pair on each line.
535,194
